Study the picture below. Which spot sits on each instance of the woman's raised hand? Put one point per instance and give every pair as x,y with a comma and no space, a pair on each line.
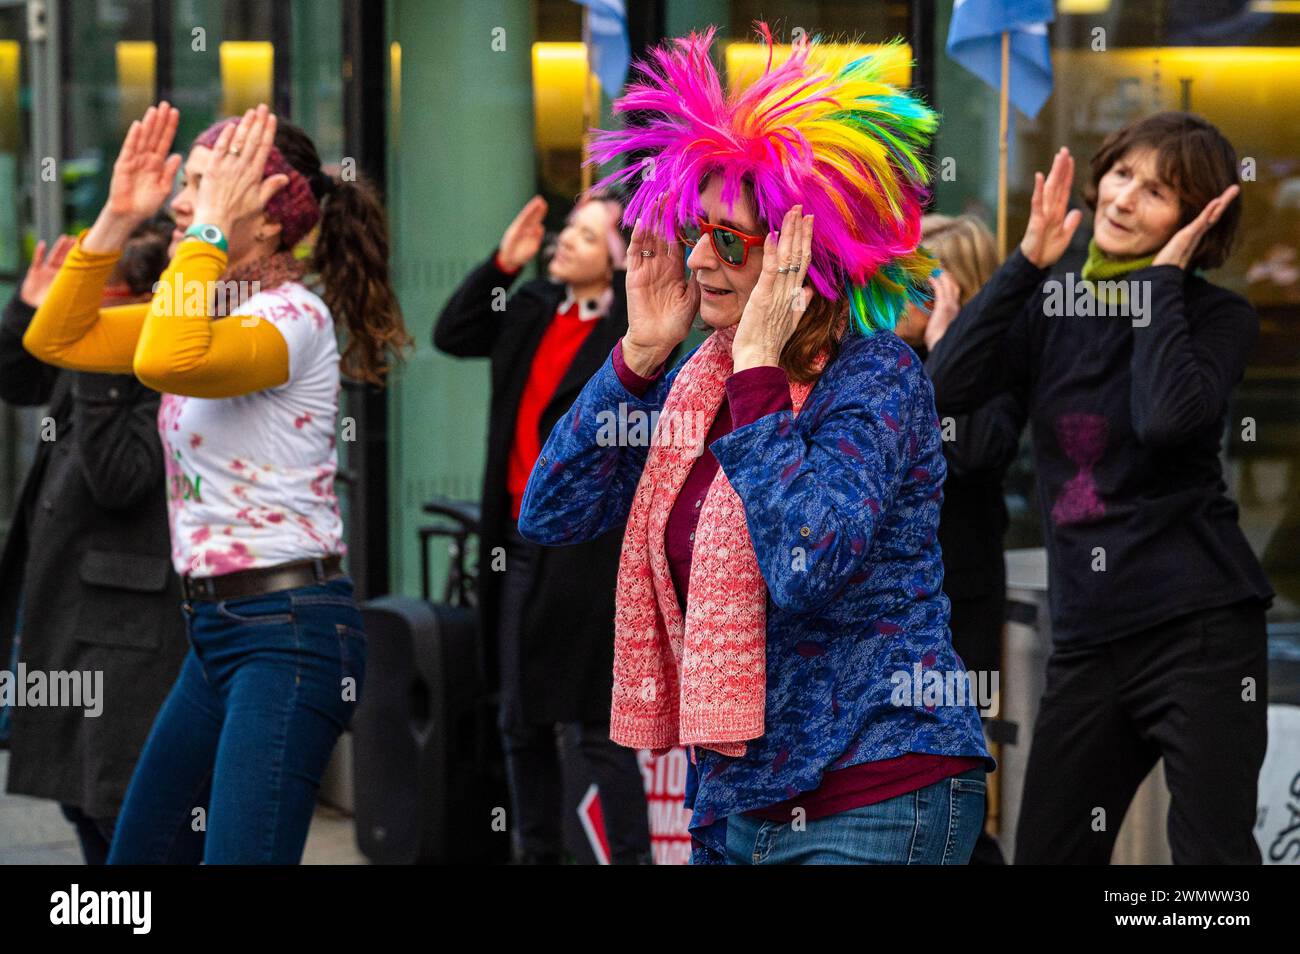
947,303
661,301
1182,246
143,176
1051,222
41,272
523,237
144,172
232,189
778,300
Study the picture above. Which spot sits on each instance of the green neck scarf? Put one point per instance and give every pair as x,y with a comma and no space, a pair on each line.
1101,267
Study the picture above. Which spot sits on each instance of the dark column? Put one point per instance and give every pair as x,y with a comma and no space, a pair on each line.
365,115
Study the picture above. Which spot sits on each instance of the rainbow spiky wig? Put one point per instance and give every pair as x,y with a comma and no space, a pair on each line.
813,130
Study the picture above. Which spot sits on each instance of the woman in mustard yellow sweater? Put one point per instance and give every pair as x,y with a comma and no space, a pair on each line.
245,355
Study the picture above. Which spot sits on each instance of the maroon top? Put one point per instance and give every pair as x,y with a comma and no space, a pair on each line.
751,394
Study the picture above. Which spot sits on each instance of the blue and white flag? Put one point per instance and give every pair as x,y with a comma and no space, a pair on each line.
609,52
975,42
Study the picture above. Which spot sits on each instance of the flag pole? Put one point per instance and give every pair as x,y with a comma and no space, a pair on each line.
1003,107
995,821
587,108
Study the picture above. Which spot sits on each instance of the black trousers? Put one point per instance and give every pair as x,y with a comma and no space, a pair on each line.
532,750
1194,691
976,624
95,834
533,770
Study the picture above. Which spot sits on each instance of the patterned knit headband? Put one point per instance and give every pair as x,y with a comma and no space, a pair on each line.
813,130
295,206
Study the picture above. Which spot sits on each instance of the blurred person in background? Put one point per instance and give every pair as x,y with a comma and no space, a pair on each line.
86,582
1157,600
548,614
979,449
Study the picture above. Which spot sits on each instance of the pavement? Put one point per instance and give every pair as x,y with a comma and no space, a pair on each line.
34,832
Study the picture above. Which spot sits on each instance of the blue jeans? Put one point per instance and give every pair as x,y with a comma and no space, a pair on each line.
230,771
935,825
11,664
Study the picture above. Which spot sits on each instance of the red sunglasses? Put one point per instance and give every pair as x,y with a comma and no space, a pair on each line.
731,245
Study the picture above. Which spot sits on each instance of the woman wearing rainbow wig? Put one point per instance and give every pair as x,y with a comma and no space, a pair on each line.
779,606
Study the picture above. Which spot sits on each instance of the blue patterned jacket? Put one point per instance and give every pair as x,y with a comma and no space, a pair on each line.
842,504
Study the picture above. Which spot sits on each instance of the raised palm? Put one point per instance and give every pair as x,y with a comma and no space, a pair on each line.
523,237
41,273
1182,245
661,301
1051,221
144,172
947,303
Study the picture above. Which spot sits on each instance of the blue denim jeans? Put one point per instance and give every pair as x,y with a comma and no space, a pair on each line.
230,771
935,825
11,664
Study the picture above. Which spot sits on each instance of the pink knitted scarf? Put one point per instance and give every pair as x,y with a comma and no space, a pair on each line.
699,680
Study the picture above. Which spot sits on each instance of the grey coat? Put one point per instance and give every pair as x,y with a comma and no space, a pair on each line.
88,553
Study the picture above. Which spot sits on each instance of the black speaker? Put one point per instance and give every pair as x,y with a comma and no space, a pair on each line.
429,787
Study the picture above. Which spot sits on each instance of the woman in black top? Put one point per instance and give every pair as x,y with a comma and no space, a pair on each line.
547,613
978,448
1157,601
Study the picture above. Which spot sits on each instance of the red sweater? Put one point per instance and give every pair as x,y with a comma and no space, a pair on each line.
751,394
563,337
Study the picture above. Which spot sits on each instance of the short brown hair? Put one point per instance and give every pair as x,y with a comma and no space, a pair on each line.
1197,162
144,256
822,327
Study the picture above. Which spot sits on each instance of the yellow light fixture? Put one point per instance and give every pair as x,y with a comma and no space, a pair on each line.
395,72
137,67
1236,87
10,117
1274,6
1068,8
247,72
559,71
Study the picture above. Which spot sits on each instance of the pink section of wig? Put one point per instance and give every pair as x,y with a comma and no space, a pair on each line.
827,134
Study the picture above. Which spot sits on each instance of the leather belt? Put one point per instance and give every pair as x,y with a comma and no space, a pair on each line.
267,579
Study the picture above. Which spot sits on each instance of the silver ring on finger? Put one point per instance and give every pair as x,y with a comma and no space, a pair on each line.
782,270
647,253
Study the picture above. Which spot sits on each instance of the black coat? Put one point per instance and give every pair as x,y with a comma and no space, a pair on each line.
973,519
567,634
89,552
973,522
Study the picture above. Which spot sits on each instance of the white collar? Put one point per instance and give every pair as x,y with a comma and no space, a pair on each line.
589,309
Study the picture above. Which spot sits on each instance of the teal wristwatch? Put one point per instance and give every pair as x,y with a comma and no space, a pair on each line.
210,234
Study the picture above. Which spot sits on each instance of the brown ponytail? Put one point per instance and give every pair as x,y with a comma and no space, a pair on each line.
821,327
351,259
